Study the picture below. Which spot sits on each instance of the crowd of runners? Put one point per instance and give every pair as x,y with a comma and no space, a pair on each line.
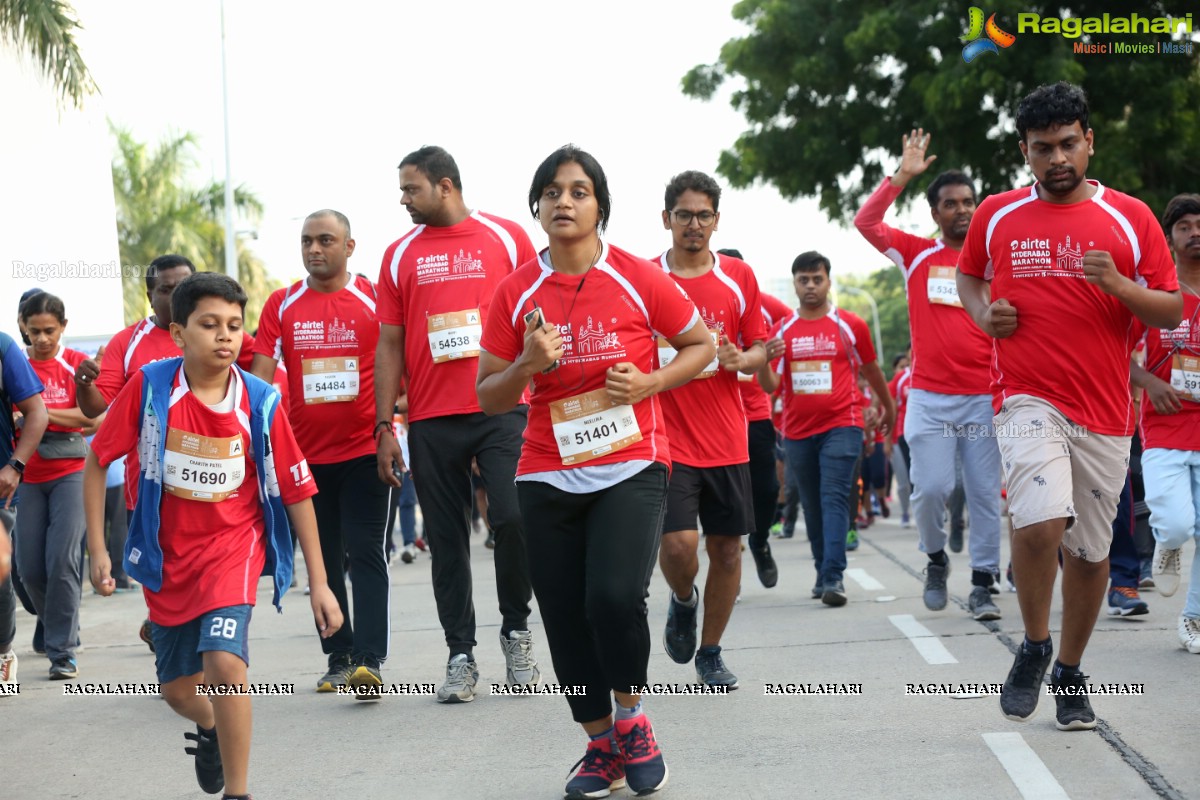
607,412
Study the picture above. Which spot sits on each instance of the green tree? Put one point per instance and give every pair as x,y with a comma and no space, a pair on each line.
45,29
886,286
159,212
828,86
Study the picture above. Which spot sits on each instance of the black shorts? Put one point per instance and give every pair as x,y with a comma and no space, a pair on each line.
719,496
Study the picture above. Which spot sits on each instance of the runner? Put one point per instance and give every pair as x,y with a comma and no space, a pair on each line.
1171,422
899,386
823,349
435,286
199,549
578,324
1055,273
325,331
706,423
949,394
50,518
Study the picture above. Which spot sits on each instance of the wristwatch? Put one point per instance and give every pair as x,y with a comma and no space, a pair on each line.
18,465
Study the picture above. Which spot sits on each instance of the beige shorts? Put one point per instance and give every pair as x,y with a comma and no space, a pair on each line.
1055,469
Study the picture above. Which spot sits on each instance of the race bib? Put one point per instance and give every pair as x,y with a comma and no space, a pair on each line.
812,377
330,380
455,335
942,286
202,468
1185,375
590,425
667,353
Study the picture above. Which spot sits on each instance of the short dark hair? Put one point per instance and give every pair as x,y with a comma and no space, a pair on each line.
43,303
811,261
435,164
195,288
1051,105
732,252
570,154
329,212
696,182
898,358
169,261
951,177
1179,207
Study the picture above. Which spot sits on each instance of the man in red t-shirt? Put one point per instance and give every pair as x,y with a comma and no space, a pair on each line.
325,331
435,286
1056,274
1170,425
817,355
949,413
706,425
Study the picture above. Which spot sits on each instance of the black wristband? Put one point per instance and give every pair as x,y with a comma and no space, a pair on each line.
375,432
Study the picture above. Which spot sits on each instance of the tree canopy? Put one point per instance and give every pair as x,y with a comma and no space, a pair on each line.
45,29
828,87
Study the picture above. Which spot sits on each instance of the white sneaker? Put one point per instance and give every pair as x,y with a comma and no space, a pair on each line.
1166,569
461,676
8,668
409,553
1189,634
518,658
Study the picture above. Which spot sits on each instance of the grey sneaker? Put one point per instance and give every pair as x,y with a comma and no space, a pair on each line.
518,658
818,589
711,669
834,594
981,604
1023,686
935,585
1073,710
461,676
1166,570
679,638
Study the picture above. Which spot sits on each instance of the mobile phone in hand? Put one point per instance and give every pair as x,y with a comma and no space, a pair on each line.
538,318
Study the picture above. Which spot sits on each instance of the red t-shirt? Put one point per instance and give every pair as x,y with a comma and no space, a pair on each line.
899,386
706,421
438,283
213,552
58,376
327,344
819,372
1072,343
754,399
128,351
950,354
612,313
1174,356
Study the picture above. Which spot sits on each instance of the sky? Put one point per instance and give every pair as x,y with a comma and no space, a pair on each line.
325,99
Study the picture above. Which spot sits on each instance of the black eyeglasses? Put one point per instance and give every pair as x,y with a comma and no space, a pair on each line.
684,218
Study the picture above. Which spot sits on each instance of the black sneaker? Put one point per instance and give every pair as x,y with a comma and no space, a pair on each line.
63,669
1023,686
935,585
834,594
1072,707
711,669
146,635
365,680
209,772
768,573
340,669
490,541
679,638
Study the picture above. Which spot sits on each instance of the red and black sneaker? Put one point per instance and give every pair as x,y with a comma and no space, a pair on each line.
645,769
601,770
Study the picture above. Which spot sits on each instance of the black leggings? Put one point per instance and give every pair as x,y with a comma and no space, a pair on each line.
764,483
590,559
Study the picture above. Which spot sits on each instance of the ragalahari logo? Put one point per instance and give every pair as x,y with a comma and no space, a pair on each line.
976,28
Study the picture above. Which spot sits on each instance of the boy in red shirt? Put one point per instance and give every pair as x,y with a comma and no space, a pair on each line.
195,420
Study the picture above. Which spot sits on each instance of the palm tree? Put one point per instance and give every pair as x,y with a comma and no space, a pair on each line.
46,29
159,212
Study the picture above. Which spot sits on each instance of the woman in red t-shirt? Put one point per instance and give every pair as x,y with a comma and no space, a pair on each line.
50,511
578,325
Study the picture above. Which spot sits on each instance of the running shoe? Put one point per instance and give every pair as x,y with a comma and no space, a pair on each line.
1166,570
365,680
982,607
1023,686
341,667
764,563
144,634
521,668
1189,634
461,676
1123,601
8,668
711,669
852,540
1073,710
905,520
600,771
421,544
409,554
935,585
679,638
209,772
834,594
1008,577
63,669
645,770
776,530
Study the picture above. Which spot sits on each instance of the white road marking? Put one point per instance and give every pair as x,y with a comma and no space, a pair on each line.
1031,777
928,645
860,576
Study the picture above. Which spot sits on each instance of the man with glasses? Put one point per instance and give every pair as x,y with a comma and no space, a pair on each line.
435,286
706,423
